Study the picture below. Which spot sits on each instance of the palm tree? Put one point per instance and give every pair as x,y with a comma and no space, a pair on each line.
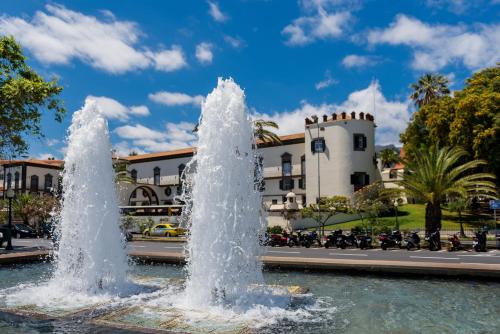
459,205
265,135
429,87
438,173
388,157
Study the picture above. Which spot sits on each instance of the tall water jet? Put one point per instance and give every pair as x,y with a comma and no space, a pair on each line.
90,257
223,248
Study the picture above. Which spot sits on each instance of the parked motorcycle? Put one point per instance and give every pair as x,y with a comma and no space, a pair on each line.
412,240
479,241
390,240
277,240
299,239
364,241
454,243
434,240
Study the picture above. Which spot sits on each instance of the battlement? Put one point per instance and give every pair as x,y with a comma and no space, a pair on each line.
343,116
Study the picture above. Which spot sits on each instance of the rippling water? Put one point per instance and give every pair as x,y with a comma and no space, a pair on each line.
338,304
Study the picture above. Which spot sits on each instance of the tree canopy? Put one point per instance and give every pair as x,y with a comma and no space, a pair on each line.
23,96
470,119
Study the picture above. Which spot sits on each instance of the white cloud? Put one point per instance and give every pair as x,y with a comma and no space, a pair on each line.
60,35
52,141
123,149
169,60
215,12
456,6
138,131
436,46
391,117
204,53
236,42
326,82
44,156
322,25
175,98
351,61
113,109
144,139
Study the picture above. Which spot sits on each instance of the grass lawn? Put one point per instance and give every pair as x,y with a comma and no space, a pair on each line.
412,216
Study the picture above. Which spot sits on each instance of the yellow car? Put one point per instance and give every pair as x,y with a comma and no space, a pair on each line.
164,230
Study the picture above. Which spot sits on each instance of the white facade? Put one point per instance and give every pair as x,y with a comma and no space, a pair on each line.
347,163
30,176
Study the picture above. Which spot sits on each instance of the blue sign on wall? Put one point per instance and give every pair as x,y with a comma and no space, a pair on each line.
495,205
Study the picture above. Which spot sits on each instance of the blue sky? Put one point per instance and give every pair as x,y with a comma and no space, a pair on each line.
149,63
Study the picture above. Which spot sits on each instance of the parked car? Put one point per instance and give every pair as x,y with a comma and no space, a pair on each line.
164,230
22,231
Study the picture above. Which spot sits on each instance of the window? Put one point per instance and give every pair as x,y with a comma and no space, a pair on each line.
303,200
393,173
318,145
9,180
359,142
16,180
47,182
302,180
34,183
286,182
156,179
359,180
274,202
133,175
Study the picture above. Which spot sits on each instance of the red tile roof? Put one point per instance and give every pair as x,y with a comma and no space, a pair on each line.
185,152
35,162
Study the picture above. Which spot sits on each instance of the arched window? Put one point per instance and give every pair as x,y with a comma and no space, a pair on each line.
156,171
133,175
16,180
34,183
9,180
47,185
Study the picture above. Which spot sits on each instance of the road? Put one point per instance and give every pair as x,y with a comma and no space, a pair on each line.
443,256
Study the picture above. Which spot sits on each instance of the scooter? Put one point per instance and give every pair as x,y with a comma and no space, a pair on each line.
331,239
434,240
299,240
454,243
412,240
390,240
479,241
364,241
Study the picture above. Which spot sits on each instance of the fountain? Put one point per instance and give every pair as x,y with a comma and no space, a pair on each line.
223,289
90,257
223,248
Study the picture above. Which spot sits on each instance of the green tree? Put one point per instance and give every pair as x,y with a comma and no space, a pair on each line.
23,96
429,87
369,202
470,119
388,157
328,207
121,171
438,173
262,133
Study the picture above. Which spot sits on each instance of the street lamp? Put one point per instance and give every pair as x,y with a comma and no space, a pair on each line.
10,195
396,210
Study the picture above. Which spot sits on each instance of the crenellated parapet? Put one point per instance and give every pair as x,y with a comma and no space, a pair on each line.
343,116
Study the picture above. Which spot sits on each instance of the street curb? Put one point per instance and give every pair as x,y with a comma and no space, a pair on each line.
405,268
378,267
24,257
159,239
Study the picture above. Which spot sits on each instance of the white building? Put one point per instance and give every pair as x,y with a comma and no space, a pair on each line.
347,164
30,176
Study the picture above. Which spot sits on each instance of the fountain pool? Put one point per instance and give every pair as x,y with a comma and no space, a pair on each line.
340,304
